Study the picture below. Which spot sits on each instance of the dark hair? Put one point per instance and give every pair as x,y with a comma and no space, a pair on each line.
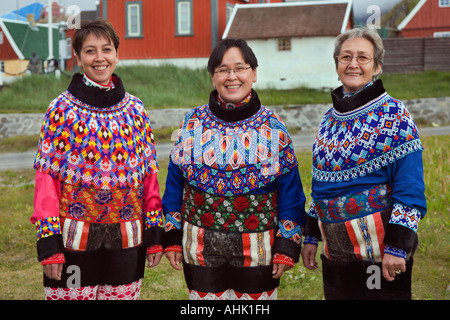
99,27
215,59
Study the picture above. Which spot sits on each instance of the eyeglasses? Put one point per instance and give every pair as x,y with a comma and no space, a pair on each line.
225,72
346,59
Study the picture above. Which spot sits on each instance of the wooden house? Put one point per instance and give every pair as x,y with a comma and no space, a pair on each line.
180,32
293,41
429,18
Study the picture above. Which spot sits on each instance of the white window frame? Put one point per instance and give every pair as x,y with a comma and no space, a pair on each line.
184,17
229,11
444,3
442,34
133,19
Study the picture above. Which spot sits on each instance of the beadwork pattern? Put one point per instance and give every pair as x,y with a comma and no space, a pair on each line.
99,147
364,140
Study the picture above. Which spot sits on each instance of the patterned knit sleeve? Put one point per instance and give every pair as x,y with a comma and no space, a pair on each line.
408,193
171,203
291,215
153,219
312,231
46,216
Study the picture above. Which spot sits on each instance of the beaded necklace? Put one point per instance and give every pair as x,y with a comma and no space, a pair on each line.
228,105
91,83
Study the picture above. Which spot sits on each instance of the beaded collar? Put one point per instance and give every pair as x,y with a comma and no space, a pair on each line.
91,83
228,105
350,94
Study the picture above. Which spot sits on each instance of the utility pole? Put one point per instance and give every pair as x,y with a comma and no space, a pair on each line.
50,31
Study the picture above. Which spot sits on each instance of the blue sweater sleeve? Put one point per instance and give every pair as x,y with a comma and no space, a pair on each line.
406,179
291,198
172,200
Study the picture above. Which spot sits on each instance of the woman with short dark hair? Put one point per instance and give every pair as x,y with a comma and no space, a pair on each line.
234,203
97,207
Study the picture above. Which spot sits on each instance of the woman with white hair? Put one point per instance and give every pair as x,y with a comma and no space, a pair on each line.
367,186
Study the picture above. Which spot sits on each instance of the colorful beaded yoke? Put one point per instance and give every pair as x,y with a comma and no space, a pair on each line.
233,158
364,140
97,147
242,213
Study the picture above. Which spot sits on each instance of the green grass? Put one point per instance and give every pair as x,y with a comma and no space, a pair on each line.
21,273
173,87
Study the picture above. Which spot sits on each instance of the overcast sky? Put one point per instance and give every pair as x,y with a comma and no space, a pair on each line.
359,6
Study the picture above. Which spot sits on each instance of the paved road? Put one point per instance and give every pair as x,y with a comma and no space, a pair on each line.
20,160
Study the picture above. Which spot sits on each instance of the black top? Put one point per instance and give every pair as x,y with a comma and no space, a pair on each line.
94,96
343,105
236,114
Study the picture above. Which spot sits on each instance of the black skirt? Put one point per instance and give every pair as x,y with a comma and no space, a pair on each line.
363,280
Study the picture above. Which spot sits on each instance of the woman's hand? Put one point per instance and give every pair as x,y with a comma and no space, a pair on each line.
392,266
154,259
279,269
175,259
309,256
53,271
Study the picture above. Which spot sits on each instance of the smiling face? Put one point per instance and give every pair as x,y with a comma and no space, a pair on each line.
98,58
354,75
233,88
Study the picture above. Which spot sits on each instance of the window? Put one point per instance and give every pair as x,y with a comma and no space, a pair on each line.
443,34
284,44
444,3
183,11
133,19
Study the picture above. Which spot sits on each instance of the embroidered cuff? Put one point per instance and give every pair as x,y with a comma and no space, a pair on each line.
311,240
54,259
47,227
395,252
155,249
174,248
173,221
405,216
283,259
153,219
290,230
286,247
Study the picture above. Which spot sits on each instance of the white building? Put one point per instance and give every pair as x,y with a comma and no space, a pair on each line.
293,41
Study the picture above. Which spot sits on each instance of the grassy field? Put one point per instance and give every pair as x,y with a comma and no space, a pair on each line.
169,86
21,274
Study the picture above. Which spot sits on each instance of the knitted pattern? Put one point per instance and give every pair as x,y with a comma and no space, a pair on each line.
102,148
364,140
233,158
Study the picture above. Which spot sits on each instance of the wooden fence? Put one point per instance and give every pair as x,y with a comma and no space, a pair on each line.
407,55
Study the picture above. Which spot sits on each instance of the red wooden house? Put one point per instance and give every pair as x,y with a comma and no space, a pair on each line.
184,31
429,18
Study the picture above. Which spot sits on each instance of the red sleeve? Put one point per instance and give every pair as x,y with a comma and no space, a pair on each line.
47,193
